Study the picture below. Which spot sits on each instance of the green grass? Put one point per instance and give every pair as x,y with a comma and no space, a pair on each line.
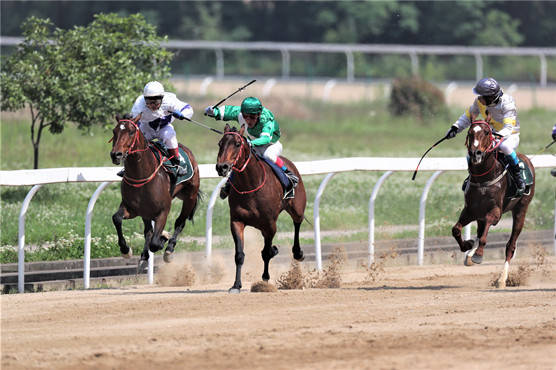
56,216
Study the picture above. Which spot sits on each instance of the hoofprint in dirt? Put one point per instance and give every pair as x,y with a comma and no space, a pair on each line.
430,317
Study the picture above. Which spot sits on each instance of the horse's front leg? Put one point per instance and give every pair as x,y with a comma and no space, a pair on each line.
464,219
186,210
117,218
269,250
296,249
148,234
518,217
475,256
158,239
237,228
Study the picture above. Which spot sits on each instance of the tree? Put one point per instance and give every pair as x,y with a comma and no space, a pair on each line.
84,75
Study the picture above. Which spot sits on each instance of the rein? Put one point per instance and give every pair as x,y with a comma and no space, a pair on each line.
137,183
490,149
239,170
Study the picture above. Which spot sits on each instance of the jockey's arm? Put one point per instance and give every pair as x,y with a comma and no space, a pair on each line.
464,120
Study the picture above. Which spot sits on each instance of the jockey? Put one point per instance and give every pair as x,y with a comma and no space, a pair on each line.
503,121
263,130
158,109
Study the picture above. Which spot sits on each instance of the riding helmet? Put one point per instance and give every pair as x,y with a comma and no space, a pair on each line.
251,105
153,89
489,89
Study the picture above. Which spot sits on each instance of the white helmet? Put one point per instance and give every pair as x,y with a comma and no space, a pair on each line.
153,88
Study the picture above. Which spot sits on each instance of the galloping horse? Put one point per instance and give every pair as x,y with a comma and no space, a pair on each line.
487,198
256,198
147,191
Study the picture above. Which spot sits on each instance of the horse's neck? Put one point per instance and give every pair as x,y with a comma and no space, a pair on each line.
252,173
488,169
141,162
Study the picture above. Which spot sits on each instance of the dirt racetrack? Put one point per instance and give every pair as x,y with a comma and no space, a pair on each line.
431,317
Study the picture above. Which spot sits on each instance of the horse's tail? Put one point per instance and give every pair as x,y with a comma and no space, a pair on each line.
200,196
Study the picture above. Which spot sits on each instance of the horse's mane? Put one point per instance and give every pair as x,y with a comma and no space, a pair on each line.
233,129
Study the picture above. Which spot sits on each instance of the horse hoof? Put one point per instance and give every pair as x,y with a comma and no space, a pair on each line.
165,236
142,266
468,261
128,254
233,291
477,259
500,283
168,256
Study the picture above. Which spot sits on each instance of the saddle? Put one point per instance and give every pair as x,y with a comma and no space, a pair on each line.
288,183
159,149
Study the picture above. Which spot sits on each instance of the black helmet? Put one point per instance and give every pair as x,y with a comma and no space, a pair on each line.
488,89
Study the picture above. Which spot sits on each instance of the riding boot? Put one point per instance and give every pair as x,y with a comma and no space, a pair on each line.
293,178
175,160
515,171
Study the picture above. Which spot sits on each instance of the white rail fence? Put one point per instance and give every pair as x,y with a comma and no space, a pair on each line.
331,167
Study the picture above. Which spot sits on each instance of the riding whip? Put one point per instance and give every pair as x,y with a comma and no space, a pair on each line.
232,94
548,146
202,125
435,144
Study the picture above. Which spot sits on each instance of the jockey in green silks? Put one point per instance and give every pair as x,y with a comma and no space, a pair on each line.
263,130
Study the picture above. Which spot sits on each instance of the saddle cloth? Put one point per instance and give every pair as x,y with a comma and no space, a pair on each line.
287,184
185,163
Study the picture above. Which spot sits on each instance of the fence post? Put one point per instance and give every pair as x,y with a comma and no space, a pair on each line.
316,219
422,206
372,215
21,239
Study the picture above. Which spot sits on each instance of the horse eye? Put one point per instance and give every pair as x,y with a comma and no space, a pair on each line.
238,145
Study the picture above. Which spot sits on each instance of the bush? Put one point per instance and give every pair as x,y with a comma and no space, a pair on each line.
415,96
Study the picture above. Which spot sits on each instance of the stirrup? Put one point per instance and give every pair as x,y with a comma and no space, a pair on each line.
121,173
290,193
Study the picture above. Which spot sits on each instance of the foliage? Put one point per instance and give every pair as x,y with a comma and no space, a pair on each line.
82,75
415,96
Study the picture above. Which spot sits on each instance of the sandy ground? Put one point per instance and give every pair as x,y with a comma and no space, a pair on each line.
390,317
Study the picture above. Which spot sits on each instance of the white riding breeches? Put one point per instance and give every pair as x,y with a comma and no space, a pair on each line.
509,144
166,134
270,151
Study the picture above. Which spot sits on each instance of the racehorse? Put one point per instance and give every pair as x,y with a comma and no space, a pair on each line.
147,191
487,197
256,198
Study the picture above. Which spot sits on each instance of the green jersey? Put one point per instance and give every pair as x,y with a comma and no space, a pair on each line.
265,131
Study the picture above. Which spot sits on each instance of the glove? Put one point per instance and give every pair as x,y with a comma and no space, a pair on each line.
212,112
452,132
178,115
554,133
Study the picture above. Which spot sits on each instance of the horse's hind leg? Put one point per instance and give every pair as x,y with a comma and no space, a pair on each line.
117,218
296,249
186,211
518,216
269,250
237,229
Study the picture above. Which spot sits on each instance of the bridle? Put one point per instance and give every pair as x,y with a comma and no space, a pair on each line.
490,148
239,155
137,183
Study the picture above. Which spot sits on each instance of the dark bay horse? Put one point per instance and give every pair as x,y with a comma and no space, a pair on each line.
486,199
255,199
146,190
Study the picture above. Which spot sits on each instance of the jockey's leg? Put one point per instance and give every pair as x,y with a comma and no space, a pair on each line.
508,148
168,136
273,153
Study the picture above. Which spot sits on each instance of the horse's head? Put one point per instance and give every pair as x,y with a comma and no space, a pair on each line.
232,147
479,141
125,136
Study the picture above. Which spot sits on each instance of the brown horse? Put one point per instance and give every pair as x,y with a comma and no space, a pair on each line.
486,199
256,199
146,190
